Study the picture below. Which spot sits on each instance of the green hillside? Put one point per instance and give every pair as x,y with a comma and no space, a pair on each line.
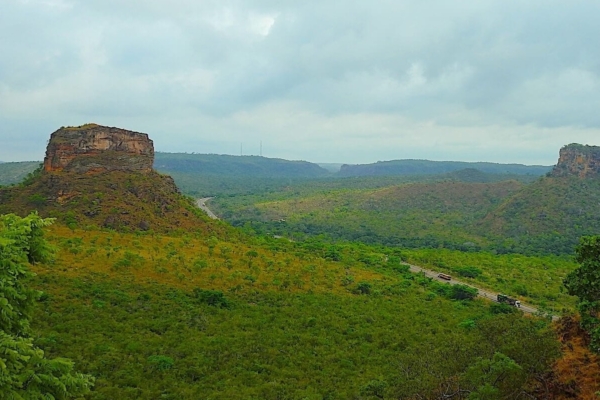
408,215
116,200
227,165
465,209
159,316
550,215
426,167
192,306
204,175
14,172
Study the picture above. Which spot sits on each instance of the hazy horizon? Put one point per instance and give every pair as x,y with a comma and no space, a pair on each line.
319,162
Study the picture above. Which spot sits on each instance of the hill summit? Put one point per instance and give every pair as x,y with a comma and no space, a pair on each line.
101,176
578,160
95,148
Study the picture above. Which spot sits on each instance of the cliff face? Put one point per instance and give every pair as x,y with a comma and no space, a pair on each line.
93,148
99,176
578,160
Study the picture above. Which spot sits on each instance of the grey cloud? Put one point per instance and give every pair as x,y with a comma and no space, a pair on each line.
198,66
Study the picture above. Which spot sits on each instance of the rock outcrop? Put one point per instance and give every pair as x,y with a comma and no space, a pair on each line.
93,148
578,160
96,176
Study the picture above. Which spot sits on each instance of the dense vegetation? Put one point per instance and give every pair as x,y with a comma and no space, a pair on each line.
550,215
409,215
182,305
119,200
546,216
25,371
426,167
154,316
584,282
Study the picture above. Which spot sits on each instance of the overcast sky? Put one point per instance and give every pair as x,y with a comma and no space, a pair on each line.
318,80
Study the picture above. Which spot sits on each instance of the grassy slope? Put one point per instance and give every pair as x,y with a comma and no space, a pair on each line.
551,213
406,215
122,306
546,216
117,200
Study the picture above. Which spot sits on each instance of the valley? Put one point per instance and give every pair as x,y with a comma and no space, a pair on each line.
301,285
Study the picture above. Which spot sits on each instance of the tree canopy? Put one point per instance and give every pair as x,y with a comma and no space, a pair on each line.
584,282
24,371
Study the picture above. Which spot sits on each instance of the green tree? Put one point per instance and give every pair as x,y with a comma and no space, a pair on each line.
584,282
463,292
490,378
24,371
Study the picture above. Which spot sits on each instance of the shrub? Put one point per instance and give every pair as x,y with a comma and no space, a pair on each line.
214,298
161,363
500,308
463,292
363,288
468,272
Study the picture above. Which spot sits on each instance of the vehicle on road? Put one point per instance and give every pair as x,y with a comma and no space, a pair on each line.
502,298
445,277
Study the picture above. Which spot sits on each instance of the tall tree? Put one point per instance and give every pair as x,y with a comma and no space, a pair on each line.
25,373
584,282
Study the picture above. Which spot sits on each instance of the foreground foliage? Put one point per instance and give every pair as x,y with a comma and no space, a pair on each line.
155,316
25,372
584,282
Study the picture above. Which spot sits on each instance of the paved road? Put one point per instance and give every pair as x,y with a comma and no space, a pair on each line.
487,294
202,204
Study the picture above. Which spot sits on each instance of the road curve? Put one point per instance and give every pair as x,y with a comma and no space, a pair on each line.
202,205
492,296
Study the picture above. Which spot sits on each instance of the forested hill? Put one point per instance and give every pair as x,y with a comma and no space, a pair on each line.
550,214
15,172
255,166
426,167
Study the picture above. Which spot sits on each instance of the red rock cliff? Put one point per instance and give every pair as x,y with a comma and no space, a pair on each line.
579,160
94,148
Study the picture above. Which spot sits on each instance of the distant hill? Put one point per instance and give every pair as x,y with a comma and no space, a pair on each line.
331,167
407,215
485,210
15,172
227,165
550,214
426,167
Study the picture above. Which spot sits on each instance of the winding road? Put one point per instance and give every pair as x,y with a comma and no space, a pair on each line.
202,205
486,294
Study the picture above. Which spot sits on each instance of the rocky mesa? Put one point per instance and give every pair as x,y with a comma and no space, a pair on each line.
578,160
94,148
100,176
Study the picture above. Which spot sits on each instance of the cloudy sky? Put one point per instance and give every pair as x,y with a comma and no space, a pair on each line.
319,80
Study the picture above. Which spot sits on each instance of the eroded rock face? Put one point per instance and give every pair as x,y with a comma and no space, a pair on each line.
94,148
579,160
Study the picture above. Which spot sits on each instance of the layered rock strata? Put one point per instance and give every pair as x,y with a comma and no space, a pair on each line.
94,148
579,160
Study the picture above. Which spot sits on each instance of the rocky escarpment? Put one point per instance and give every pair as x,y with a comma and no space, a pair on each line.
578,160
93,148
96,176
